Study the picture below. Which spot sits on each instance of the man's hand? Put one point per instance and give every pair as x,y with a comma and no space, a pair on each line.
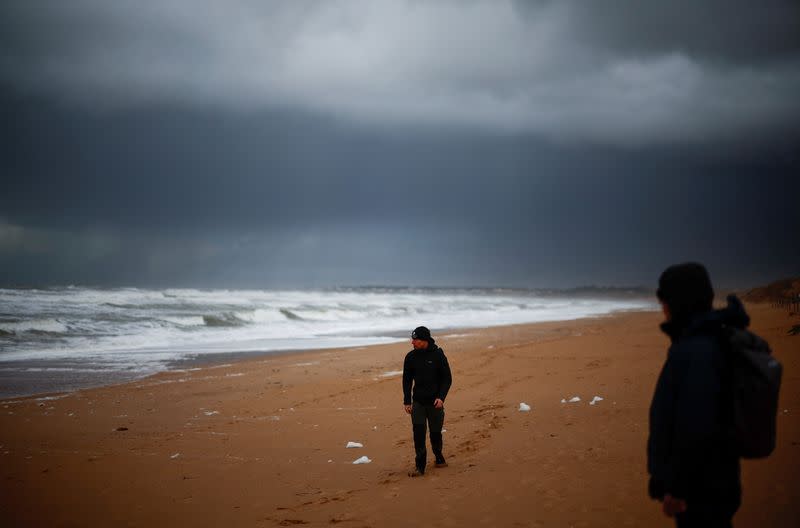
438,403
407,408
673,505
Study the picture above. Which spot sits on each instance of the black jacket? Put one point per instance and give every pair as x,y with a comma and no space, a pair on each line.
429,371
691,451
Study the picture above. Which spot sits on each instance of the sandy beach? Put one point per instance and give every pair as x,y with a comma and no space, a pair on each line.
261,442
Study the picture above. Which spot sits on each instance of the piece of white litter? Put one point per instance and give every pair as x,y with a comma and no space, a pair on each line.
490,347
329,461
176,455
524,407
351,445
48,398
362,460
575,399
595,400
211,413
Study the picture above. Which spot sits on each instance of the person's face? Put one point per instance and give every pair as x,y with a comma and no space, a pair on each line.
665,309
419,343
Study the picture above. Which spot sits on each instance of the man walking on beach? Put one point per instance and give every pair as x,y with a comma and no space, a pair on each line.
691,453
427,368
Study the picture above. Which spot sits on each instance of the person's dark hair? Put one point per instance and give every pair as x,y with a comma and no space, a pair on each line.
686,289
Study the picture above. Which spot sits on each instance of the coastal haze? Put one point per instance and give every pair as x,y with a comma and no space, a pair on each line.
402,143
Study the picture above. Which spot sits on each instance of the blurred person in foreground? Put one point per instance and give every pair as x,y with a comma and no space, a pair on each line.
427,369
692,455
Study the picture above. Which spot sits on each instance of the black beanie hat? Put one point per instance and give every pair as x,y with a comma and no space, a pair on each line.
685,289
423,333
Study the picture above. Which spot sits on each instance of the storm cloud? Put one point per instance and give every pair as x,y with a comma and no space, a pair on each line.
602,72
320,143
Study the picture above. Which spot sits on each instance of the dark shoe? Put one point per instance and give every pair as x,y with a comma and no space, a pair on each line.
416,473
441,463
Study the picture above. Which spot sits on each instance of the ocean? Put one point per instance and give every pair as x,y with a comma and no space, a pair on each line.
61,339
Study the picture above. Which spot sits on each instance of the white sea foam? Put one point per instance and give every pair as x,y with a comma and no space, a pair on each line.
140,331
52,326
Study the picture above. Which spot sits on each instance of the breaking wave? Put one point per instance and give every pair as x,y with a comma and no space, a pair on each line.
141,328
228,319
35,327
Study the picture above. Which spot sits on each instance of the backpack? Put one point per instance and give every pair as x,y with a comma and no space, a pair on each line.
755,382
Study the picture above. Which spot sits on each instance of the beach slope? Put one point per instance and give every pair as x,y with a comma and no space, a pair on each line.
263,442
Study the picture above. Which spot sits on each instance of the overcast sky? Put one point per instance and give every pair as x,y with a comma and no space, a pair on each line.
454,143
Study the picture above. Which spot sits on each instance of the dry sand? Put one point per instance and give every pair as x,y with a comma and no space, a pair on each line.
262,442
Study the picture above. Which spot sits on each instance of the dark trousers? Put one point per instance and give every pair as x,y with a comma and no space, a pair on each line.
423,416
687,520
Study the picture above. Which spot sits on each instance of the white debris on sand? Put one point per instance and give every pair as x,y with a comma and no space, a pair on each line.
49,398
391,373
595,400
524,407
574,399
176,455
210,413
363,460
351,445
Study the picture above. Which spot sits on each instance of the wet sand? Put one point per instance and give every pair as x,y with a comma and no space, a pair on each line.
261,442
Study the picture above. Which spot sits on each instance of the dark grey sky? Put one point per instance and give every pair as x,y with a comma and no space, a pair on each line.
269,144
